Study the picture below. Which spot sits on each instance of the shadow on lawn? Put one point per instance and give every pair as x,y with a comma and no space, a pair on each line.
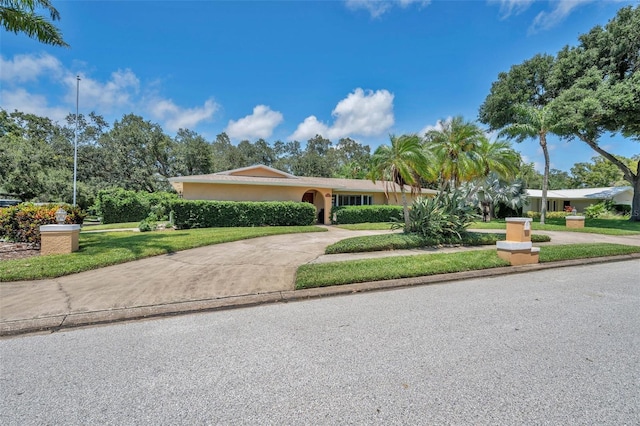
138,244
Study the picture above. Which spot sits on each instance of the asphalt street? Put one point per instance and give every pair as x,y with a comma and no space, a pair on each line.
559,346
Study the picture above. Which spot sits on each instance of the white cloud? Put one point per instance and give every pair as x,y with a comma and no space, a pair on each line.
364,113
563,8
309,128
560,10
259,124
438,126
117,92
377,8
23,101
512,7
29,67
175,117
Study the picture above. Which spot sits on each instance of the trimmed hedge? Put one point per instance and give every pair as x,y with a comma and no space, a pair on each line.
214,214
120,205
21,223
549,215
366,214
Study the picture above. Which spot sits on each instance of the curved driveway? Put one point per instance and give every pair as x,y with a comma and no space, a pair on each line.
253,266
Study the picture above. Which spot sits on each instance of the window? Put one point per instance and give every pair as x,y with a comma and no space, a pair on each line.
351,200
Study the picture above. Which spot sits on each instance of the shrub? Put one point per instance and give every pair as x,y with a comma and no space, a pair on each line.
21,223
557,215
442,218
119,205
533,215
209,214
595,211
365,214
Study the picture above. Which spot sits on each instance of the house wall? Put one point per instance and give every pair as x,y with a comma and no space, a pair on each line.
624,198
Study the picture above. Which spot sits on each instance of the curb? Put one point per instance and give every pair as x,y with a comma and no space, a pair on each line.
61,322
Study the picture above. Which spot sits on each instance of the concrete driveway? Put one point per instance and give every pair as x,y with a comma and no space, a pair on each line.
254,266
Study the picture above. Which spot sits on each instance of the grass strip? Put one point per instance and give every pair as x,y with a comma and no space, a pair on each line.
410,241
109,248
387,268
592,226
124,225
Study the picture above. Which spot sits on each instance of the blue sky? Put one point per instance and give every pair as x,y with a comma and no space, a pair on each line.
290,69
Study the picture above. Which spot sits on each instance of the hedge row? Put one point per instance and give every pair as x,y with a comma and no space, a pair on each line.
210,214
21,223
549,215
366,214
119,205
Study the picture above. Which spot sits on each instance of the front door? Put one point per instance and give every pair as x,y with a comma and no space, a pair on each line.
307,197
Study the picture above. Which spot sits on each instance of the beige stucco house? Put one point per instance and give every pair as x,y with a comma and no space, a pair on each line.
263,183
558,199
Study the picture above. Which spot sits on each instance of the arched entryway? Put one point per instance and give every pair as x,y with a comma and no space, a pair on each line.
319,200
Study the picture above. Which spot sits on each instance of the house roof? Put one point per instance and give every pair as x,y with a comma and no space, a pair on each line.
581,193
286,179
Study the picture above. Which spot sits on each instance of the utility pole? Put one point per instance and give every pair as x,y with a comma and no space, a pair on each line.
75,142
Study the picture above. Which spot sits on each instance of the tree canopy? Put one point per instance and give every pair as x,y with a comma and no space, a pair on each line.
19,16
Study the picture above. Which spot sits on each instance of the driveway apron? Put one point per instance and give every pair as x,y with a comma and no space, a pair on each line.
260,265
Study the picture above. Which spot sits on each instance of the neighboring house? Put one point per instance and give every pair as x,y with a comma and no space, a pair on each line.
263,183
559,199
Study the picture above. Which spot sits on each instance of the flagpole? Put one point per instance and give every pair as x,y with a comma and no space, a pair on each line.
75,142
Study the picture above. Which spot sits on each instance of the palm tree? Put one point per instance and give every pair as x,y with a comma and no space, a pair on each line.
497,157
401,163
455,145
19,16
532,122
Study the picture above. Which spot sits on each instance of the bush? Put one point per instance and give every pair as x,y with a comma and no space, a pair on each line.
533,215
595,211
558,215
210,214
623,209
119,205
442,218
365,214
21,223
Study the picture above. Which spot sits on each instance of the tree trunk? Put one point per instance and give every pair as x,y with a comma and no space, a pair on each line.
545,178
635,204
633,179
405,210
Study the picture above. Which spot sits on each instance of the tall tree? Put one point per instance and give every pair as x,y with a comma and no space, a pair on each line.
535,122
138,154
600,82
600,172
401,163
19,16
455,147
192,154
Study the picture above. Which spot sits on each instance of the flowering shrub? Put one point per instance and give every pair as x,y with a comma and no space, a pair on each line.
21,223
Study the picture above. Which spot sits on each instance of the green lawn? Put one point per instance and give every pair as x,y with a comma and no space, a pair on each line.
386,268
124,225
593,226
400,241
110,248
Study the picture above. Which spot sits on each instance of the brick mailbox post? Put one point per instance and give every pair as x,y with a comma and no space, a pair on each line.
60,238
517,249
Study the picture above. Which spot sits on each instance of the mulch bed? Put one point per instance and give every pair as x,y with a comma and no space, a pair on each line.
17,250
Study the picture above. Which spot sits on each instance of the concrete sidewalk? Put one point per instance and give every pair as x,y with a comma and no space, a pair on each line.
240,273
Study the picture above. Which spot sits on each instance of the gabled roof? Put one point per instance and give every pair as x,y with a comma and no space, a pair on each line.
581,193
243,176
257,168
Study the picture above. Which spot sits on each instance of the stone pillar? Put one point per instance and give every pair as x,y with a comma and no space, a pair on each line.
59,239
575,221
517,249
